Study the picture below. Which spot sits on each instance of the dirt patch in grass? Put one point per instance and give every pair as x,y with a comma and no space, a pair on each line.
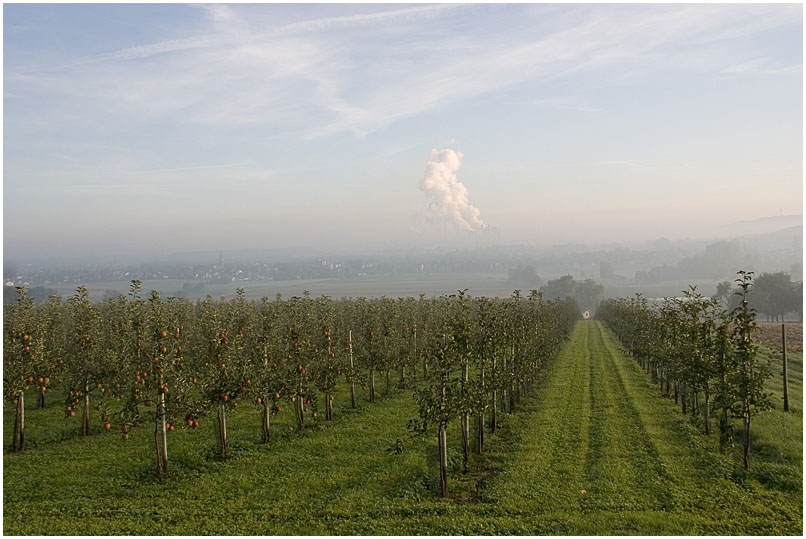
769,334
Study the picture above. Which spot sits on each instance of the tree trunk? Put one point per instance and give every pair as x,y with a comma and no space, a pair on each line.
494,413
465,416
443,461
300,413
266,420
41,399
783,357
164,429
465,441
746,434
676,391
222,429
480,433
725,437
329,406
684,397
352,371
19,424
707,411
386,390
371,385
85,423
14,444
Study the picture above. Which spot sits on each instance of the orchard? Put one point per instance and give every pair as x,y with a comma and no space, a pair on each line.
131,362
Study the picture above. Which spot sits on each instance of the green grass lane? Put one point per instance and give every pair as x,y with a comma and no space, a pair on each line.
543,472
707,486
600,425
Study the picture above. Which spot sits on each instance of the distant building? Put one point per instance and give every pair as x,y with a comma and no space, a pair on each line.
586,315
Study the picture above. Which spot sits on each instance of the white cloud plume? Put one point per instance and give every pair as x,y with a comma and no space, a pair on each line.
447,196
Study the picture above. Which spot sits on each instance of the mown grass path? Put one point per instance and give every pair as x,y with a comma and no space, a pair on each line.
602,452
593,450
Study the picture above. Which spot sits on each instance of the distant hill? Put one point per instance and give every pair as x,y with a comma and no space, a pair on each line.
763,225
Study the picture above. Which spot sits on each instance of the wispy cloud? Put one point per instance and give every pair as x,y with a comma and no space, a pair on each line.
364,71
761,66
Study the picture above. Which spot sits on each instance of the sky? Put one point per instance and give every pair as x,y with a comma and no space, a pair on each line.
148,128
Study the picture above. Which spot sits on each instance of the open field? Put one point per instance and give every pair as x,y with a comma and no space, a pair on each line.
432,284
769,334
594,450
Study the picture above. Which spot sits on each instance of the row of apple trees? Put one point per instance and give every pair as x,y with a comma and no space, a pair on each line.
487,354
701,353
144,360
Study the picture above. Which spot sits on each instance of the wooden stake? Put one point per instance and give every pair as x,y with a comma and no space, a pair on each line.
786,382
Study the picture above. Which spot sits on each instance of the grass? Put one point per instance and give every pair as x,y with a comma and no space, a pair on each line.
595,423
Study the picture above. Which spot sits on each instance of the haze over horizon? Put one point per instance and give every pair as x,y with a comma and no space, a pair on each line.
172,128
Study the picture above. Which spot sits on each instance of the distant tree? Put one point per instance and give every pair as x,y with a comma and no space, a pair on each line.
721,258
606,270
796,270
560,288
588,294
723,293
191,289
774,294
38,294
525,277
111,294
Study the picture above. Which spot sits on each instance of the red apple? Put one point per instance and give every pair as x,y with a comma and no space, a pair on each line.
163,334
107,426
125,436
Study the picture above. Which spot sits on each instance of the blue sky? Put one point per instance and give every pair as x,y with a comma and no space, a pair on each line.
159,128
